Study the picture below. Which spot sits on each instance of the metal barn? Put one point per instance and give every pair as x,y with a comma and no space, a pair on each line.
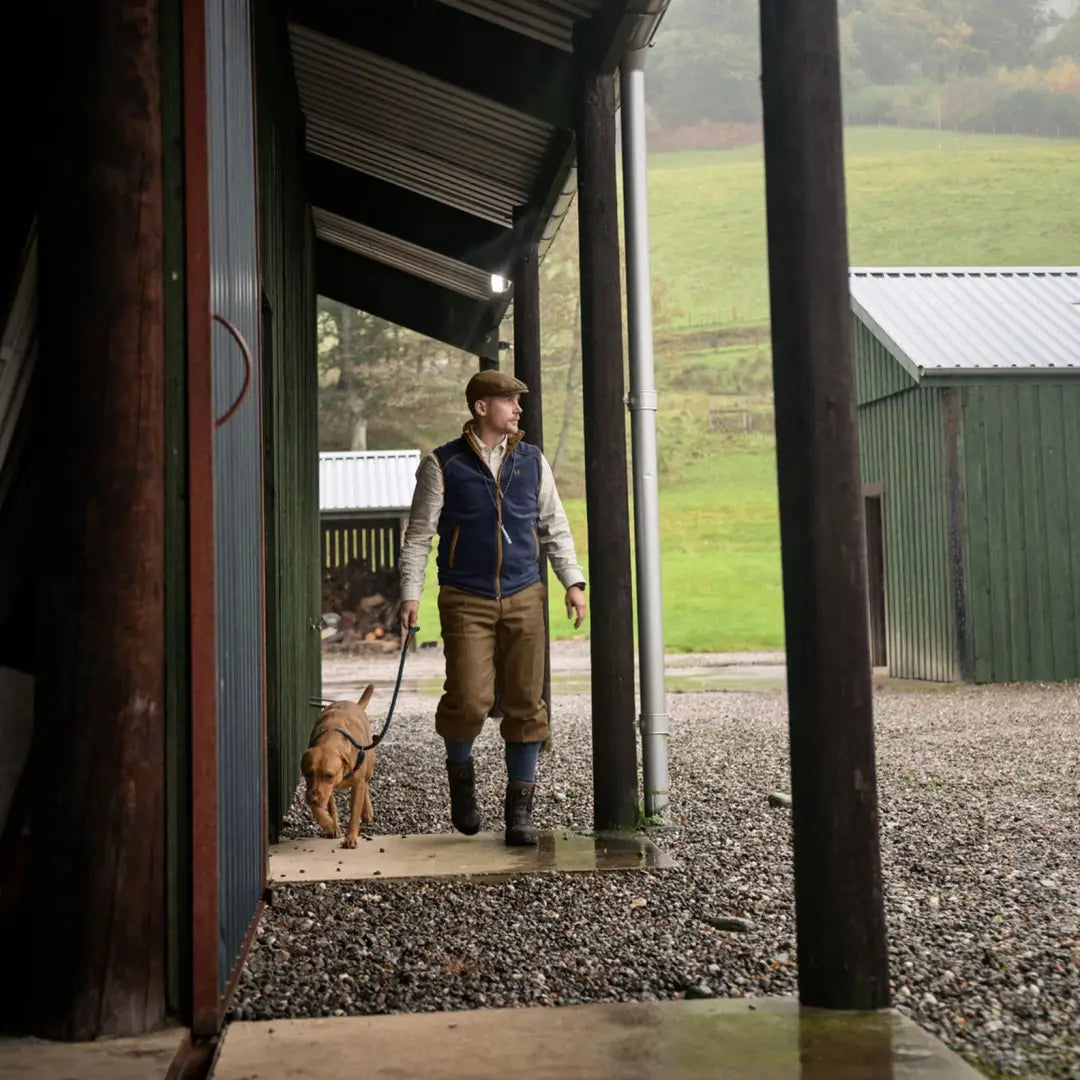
364,500
968,394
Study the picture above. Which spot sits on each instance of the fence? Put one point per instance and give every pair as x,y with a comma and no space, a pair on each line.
374,542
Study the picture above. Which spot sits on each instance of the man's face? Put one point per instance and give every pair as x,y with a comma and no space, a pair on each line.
500,414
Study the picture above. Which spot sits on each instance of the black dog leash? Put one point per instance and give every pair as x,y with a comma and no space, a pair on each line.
322,703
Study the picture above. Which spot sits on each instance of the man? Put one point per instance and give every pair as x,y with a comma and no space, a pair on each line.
491,499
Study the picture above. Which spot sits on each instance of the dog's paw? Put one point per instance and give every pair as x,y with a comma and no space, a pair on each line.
349,842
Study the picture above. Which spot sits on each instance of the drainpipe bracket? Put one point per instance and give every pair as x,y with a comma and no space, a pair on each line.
655,724
642,400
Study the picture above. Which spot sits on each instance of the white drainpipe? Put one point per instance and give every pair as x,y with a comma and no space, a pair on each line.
655,725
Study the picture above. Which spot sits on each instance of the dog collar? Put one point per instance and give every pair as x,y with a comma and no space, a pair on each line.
360,756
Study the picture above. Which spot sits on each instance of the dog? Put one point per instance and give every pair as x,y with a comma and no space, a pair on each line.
334,760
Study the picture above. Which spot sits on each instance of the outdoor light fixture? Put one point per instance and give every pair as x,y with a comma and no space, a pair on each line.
499,284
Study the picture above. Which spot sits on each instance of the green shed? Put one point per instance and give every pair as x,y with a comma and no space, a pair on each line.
968,384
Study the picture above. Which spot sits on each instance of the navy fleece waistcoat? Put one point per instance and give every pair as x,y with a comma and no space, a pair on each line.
474,555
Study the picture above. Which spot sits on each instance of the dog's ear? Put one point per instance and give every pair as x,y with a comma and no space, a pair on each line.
305,762
365,697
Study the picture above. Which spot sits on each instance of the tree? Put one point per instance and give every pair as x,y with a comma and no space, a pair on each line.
1006,32
706,63
1065,44
381,384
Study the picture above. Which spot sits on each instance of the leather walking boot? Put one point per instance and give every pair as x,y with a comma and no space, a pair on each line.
520,830
463,810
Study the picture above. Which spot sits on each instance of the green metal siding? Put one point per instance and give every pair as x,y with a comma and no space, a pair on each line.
290,423
1022,467
902,440
877,374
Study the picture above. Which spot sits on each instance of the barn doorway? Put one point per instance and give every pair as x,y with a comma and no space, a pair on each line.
875,572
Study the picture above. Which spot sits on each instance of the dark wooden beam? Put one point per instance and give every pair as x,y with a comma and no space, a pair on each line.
528,368
412,302
400,212
602,42
611,638
94,916
843,959
461,49
527,342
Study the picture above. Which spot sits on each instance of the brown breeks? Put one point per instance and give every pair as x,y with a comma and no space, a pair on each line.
482,636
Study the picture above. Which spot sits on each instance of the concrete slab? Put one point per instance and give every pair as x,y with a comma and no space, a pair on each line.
453,855
147,1057
767,1039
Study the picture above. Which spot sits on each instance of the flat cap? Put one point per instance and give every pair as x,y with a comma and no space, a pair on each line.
493,384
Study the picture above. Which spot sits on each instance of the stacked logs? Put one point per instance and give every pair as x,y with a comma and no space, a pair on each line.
360,608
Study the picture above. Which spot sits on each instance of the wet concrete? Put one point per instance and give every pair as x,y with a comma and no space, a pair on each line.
725,1039
455,856
345,676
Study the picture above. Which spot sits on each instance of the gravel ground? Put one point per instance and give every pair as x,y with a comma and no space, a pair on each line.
979,792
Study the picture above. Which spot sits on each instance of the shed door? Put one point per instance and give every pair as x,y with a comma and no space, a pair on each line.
875,570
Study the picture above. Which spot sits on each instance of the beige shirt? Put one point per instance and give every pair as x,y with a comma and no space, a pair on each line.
553,528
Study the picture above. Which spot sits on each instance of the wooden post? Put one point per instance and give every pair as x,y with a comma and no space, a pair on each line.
611,612
527,369
843,959
93,912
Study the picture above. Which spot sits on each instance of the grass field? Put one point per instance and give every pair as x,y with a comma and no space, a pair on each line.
915,198
941,199
720,541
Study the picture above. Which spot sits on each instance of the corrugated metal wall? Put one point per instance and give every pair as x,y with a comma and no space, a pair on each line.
877,374
291,421
1022,466
902,441
238,453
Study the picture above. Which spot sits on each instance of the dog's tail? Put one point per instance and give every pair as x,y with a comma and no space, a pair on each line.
365,697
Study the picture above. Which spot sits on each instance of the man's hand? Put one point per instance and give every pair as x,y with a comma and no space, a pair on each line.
409,612
575,605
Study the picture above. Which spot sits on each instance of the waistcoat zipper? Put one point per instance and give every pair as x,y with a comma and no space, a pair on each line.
498,538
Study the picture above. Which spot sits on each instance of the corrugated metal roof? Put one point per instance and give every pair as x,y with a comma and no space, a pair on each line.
416,131
406,256
961,320
369,480
549,21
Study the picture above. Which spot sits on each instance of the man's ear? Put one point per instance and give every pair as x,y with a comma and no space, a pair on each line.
480,408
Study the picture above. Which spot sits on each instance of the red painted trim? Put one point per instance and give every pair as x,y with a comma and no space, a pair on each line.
205,1006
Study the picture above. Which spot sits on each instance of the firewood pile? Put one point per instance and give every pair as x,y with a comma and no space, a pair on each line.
360,609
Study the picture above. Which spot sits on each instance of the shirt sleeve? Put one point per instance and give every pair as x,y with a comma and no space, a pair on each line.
554,531
427,504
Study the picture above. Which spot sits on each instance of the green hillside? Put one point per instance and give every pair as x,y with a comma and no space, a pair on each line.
915,197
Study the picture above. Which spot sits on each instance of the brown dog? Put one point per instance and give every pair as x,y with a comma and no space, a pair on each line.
332,761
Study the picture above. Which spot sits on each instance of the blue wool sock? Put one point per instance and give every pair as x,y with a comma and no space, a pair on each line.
521,760
458,753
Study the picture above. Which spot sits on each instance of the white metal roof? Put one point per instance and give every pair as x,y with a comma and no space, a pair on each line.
366,481
966,320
